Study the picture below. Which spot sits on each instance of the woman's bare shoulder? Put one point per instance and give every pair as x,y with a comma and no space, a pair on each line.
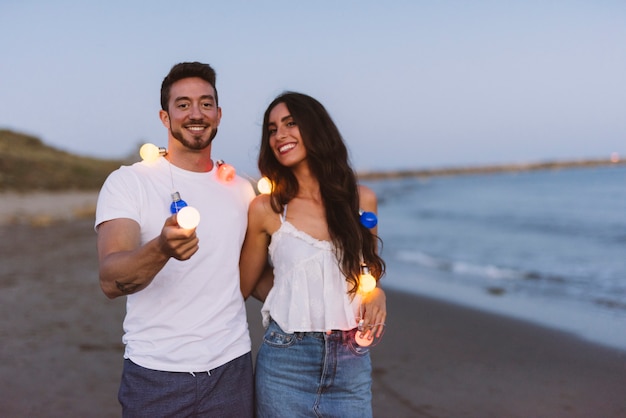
261,213
261,202
367,197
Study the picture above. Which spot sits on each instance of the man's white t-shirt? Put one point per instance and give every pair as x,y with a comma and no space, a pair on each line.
192,316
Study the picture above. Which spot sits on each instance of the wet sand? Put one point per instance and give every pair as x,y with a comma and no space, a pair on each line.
61,351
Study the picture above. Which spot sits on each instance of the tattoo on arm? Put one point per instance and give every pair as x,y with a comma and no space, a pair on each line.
127,288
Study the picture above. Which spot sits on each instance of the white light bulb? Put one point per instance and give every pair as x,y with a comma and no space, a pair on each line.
188,217
150,152
264,185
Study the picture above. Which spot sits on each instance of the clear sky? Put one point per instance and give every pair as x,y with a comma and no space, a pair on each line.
411,84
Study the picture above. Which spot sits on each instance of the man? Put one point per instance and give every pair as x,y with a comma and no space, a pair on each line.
186,335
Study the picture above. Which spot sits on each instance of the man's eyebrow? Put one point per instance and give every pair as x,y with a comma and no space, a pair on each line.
205,97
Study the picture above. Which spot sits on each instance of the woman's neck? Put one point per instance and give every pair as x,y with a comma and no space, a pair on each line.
308,185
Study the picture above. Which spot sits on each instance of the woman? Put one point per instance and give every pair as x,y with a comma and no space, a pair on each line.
310,362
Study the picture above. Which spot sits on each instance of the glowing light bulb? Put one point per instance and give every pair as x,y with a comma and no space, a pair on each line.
177,203
368,219
614,157
264,185
362,341
225,172
188,217
367,282
150,152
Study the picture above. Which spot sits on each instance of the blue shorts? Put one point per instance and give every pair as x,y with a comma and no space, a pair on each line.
312,374
226,391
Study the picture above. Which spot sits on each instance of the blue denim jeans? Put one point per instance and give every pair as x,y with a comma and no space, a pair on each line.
226,391
312,374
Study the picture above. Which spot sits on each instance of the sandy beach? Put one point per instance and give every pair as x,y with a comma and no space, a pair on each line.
61,351
45,208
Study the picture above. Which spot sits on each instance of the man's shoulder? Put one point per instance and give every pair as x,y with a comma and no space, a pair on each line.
137,169
244,187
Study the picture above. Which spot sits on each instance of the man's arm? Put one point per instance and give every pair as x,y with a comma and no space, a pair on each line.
126,266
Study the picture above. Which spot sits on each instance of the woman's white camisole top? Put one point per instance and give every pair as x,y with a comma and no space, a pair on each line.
310,294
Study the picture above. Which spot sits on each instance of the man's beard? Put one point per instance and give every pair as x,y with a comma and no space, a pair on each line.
194,144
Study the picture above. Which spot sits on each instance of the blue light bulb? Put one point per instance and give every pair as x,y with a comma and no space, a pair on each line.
368,219
177,203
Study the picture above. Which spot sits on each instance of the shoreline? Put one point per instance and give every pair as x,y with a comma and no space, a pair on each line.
597,326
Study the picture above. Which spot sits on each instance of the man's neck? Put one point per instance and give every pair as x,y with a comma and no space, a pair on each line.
197,161
189,159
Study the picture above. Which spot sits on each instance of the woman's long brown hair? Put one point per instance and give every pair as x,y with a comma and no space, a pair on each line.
327,157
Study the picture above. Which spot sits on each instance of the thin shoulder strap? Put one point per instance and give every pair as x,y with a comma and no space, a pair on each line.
283,217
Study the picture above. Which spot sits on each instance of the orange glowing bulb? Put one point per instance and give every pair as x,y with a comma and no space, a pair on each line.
264,185
225,172
367,282
614,157
362,341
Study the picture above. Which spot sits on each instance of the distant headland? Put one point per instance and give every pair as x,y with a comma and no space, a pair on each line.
27,164
489,169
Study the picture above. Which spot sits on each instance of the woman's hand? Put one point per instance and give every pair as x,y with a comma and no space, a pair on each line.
375,313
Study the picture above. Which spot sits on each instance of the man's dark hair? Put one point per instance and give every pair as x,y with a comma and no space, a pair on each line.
186,70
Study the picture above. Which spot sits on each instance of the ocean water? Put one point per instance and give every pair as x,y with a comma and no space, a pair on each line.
545,246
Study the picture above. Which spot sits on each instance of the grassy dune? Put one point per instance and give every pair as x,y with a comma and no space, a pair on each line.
28,165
